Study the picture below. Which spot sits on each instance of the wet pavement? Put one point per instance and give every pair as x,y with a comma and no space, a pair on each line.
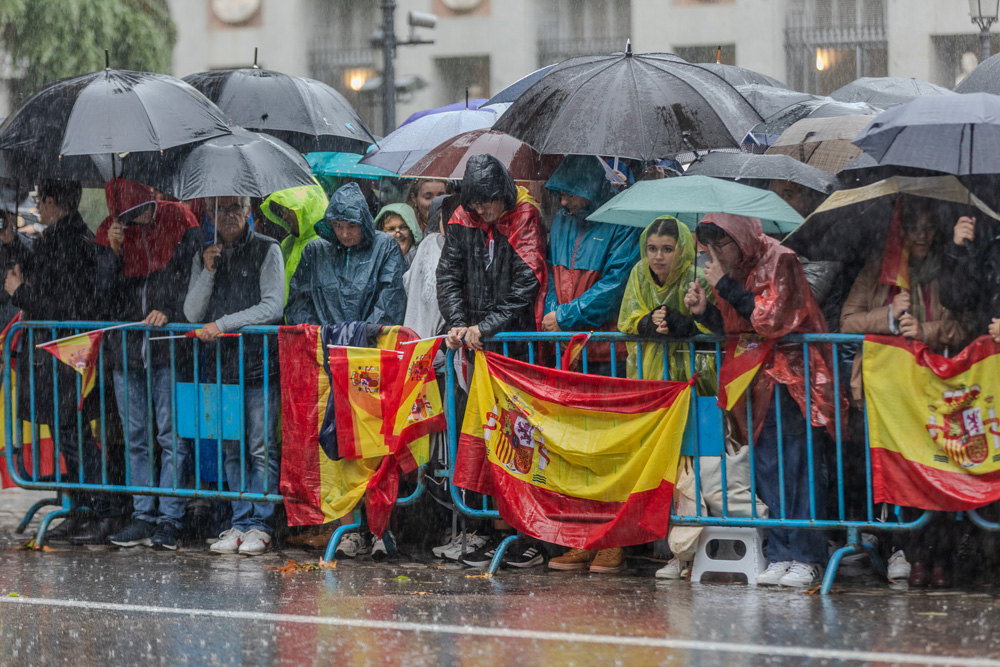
99,606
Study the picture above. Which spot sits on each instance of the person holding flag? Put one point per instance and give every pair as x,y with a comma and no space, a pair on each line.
57,282
761,294
236,283
144,270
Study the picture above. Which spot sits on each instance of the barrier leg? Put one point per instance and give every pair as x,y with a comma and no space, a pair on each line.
331,548
854,546
68,507
30,514
498,556
876,560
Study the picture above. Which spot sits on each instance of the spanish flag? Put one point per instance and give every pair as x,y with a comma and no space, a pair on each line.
932,423
573,459
80,353
745,355
573,352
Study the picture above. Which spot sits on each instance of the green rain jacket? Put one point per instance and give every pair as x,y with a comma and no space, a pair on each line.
309,203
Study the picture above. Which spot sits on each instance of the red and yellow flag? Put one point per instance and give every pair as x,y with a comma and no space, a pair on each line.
932,423
80,353
574,350
573,459
744,357
896,256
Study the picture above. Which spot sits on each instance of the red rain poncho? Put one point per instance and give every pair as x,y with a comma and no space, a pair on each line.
783,304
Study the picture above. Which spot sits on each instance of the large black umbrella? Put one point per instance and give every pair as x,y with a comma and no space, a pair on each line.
642,106
984,79
111,111
740,76
886,91
957,134
514,90
305,113
752,167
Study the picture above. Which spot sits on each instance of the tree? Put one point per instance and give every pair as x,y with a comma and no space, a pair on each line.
53,39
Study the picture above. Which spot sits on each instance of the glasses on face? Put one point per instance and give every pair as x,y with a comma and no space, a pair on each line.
720,246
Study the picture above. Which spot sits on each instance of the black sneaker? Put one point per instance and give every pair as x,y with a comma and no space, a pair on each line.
523,553
483,556
165,537
136,534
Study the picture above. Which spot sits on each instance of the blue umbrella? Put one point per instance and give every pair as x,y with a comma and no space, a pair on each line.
344,165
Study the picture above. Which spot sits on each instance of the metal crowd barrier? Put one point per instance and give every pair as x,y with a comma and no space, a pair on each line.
871,518
214,413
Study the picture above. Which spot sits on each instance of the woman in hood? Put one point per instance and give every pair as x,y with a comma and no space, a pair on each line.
399,222
296,210
351,273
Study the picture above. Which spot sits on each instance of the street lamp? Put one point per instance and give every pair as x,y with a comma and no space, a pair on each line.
984,14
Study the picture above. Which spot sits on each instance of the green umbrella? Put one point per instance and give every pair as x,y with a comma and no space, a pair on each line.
689,198
344,164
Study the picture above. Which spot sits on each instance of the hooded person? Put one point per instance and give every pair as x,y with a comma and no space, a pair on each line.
352,272
492,275
296,210
589,262
400,222
144,272
762,294
420,280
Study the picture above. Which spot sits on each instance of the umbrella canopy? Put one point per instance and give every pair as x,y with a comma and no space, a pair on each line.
984,79
304,113
850,224
642,106
457,106
514,90
767,133
402,148
344,165
243,163
740,76
448,159
957,135
886,91
824,143
111,111
768,100
691,197
748,166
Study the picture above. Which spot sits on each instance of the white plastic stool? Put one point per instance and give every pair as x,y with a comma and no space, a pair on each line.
751,564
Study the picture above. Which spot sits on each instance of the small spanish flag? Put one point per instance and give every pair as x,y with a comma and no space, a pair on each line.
80,353
574,349
744,357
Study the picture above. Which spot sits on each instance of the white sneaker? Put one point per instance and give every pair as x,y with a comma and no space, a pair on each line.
255,542
352,545
473,542
380,550
773,574
674,569
229,542
898,568
800,575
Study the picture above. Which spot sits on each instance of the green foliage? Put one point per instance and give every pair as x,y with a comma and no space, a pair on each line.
54,39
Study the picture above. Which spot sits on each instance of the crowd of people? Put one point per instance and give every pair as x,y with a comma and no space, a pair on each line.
468,260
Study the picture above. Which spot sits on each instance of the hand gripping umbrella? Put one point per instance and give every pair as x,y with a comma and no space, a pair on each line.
643,106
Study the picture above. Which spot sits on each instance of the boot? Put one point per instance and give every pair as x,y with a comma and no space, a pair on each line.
74,524
98,531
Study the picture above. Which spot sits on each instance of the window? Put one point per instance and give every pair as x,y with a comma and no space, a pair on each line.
568,28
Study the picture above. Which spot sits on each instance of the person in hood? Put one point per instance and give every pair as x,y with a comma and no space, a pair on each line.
352,272
492,275
420,281
57,282
589,262
399,222
237,283
144,270
491,279
296,210
762,294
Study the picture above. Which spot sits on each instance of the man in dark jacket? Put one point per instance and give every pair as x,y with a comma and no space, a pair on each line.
241,282
351,273
970,276
56,282
144,269
15,246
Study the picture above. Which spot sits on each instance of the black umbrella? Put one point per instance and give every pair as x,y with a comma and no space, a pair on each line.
768,100
243,163
984,79
957,134
642,106
740,76
886,91
748,166
304,113
514,90
111,111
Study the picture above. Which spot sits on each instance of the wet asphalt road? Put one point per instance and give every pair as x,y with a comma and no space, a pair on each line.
99,606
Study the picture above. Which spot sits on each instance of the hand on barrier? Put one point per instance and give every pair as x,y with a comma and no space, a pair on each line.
155,319
453,340
472,338
549,322
965,230
695,299
209,332
14,280
116,237
910,327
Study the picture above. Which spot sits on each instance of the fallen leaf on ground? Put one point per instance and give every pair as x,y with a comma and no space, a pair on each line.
327,564
486,575
293,566
403,579
13,595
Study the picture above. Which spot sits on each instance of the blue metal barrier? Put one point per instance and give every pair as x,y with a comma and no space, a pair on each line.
200,411
868,520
